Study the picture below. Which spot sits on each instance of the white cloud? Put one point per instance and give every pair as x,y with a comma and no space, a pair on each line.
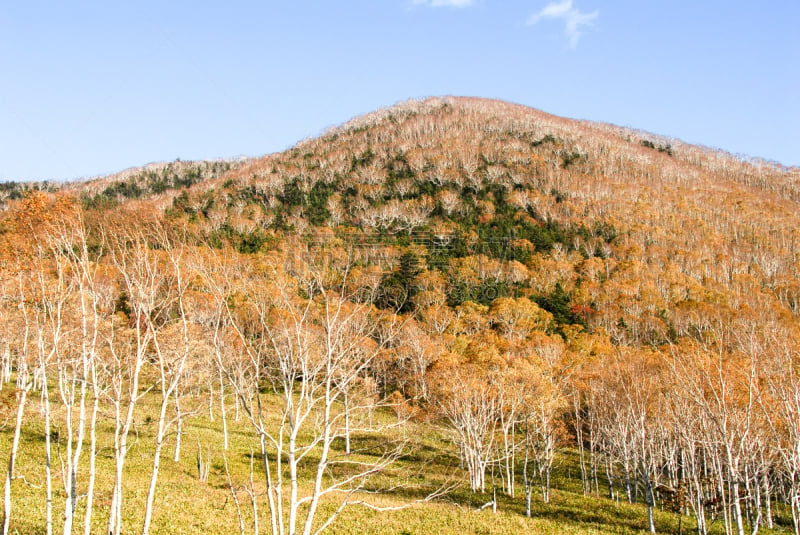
445,3
572,17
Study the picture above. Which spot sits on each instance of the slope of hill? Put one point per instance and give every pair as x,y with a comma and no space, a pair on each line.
449,297
137,182
686,223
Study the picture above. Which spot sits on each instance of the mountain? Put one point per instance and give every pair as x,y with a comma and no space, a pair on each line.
607,213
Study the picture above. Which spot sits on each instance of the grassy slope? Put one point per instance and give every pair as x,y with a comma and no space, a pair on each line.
185,505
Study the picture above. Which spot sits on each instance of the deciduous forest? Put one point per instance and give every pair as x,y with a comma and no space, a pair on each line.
503,319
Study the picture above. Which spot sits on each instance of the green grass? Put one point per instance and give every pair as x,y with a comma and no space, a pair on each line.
183,504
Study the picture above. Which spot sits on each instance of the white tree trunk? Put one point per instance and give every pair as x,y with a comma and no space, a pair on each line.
87,525
222,411
151,491
179,427
47,464
22,396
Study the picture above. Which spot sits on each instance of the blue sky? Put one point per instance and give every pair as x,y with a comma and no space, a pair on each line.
95,87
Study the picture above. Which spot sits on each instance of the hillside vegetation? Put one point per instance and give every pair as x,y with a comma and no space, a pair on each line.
440,306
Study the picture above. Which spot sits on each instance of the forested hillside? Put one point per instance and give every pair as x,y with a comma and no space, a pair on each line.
450,286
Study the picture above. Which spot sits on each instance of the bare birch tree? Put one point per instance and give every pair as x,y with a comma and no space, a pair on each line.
310,345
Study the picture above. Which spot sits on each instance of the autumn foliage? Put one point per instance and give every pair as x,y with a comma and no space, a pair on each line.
529,284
